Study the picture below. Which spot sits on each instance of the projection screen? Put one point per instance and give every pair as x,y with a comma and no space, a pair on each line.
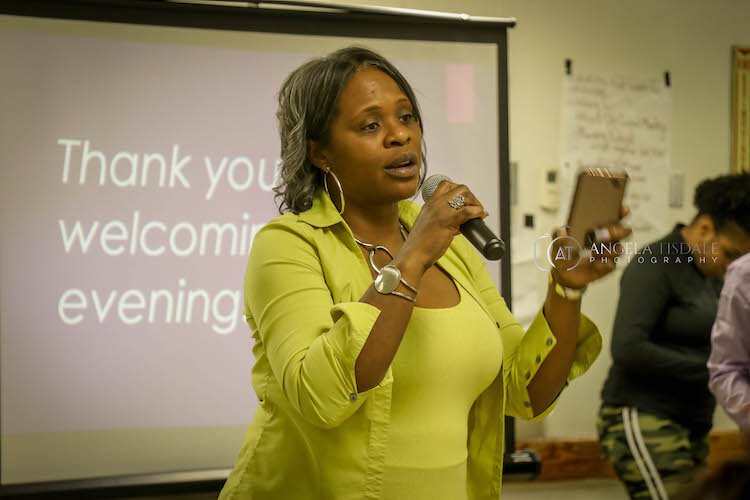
137,162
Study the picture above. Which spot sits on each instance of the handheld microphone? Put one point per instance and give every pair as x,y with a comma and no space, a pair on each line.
475,230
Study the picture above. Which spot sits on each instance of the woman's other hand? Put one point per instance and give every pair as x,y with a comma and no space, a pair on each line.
591,265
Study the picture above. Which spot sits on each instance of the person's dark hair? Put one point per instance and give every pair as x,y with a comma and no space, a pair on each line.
726,199
307,105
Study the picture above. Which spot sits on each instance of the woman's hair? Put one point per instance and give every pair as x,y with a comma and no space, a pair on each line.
308,102
726,199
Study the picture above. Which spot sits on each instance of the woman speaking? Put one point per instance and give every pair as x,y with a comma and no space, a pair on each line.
385,356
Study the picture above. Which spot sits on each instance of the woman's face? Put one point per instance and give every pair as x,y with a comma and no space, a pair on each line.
722,247
375,146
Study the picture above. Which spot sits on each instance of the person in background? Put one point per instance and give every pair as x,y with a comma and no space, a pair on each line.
729,363
656,407
386,358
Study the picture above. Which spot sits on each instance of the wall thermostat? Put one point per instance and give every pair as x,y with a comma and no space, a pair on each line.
549,198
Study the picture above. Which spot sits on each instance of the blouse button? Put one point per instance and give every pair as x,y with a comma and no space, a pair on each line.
538,359
353,396
527,404
549,342
528,375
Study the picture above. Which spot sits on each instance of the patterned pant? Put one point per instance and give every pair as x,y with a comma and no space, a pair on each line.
653,456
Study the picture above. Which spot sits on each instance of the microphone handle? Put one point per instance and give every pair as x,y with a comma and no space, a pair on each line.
483,239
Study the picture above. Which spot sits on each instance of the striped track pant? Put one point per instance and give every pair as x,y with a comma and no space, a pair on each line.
653,456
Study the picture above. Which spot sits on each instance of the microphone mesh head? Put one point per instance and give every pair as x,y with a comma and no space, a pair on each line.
431,184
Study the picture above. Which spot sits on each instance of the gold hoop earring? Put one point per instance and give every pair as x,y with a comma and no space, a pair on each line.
329,170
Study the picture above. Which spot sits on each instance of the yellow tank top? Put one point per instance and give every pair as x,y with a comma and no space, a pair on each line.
446,359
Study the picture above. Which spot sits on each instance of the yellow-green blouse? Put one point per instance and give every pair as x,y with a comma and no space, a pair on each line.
446,359
313,436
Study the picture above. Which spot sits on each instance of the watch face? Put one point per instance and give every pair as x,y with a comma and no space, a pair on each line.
387,279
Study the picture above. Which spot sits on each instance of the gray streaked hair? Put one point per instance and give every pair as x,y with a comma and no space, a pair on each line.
307,105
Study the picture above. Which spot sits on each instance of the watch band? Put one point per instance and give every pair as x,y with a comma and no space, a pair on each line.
564,291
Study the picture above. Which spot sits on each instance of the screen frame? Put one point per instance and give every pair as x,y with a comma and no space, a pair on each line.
344,21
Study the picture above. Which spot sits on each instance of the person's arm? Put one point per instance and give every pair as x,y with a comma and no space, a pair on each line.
644,295
310,342
563,318
324,355
524,353
431,234
729,362
562,309
374,360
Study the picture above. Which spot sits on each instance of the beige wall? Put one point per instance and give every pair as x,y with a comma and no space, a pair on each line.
689,38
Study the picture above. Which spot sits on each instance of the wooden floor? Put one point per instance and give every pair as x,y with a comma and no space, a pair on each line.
583,458
583,489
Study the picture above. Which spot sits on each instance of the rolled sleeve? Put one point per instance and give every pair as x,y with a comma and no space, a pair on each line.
354,321
532,348
311,343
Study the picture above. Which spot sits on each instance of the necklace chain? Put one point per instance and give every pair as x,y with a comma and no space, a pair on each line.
374,248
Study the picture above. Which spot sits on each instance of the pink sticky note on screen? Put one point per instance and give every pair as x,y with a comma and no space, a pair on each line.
459,93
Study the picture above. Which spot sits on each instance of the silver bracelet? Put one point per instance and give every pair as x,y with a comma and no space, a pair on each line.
565,292
388,279
403,296
410,287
